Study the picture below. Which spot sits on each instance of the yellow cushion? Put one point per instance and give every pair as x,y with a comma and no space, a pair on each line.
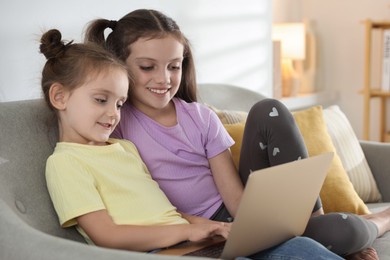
337,193
234,123
236,132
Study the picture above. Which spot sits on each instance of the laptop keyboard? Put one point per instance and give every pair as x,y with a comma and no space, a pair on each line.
212,251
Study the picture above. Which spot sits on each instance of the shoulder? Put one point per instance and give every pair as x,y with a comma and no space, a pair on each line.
124,143
61,153
73,157
195,110
127,146
72,151
64,165
191,105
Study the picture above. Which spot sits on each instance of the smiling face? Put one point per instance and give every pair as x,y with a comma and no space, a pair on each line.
156,67
90,112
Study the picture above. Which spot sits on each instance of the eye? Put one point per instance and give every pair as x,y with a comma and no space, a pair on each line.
146,68
175,66
101,100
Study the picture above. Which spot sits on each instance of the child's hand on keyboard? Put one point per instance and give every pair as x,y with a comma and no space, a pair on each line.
198,232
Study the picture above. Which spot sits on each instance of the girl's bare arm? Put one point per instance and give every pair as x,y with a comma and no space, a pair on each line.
227,180
102,230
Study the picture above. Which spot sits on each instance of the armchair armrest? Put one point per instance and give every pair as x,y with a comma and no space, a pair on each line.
20,241
378,158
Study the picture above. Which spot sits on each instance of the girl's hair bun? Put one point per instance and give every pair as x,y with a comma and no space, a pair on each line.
51,44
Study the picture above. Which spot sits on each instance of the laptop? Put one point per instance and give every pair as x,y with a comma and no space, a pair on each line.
276,205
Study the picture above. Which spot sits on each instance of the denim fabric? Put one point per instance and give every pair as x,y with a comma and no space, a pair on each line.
298,248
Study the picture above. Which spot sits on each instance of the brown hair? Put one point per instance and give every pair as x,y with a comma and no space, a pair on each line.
70,64
144,23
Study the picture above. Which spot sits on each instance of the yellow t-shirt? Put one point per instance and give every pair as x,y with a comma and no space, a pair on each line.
85,178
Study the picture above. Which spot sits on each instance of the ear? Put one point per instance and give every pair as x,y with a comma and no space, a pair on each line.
58,96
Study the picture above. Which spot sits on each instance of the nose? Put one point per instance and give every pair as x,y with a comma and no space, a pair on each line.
162,76
112,111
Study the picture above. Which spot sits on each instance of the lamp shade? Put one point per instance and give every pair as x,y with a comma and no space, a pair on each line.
292,38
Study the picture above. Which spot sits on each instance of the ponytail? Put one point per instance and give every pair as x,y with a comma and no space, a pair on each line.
95,31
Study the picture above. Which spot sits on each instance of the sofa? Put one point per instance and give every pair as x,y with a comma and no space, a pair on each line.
29,226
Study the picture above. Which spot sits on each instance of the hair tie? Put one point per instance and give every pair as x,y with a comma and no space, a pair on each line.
112,24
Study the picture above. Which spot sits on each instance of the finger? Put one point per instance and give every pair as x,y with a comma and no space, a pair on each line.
224,231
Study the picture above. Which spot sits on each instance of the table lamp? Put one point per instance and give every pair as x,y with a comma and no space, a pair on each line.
292,39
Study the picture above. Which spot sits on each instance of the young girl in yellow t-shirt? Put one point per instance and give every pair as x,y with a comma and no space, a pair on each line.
99,184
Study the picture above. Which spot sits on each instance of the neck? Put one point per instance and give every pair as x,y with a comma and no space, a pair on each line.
165,116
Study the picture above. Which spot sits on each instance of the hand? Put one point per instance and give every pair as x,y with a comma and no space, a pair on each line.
202,231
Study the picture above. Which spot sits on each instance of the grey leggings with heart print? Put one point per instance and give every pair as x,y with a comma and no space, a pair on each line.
271,137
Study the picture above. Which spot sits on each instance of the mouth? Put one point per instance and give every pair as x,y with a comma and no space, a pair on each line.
159,91
107,126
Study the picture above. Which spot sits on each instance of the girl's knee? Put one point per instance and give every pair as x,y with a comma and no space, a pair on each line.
343,233
267,110
268,103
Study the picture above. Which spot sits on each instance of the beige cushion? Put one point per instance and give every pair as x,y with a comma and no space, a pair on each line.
228,117
351,154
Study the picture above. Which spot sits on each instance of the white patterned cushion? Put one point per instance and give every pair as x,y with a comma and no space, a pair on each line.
351,154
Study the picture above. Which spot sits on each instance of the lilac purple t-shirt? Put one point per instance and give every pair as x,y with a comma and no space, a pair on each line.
177,156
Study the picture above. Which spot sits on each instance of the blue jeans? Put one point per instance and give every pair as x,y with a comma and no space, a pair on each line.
298,248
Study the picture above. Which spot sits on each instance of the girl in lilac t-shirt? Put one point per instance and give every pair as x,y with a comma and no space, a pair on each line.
177,156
